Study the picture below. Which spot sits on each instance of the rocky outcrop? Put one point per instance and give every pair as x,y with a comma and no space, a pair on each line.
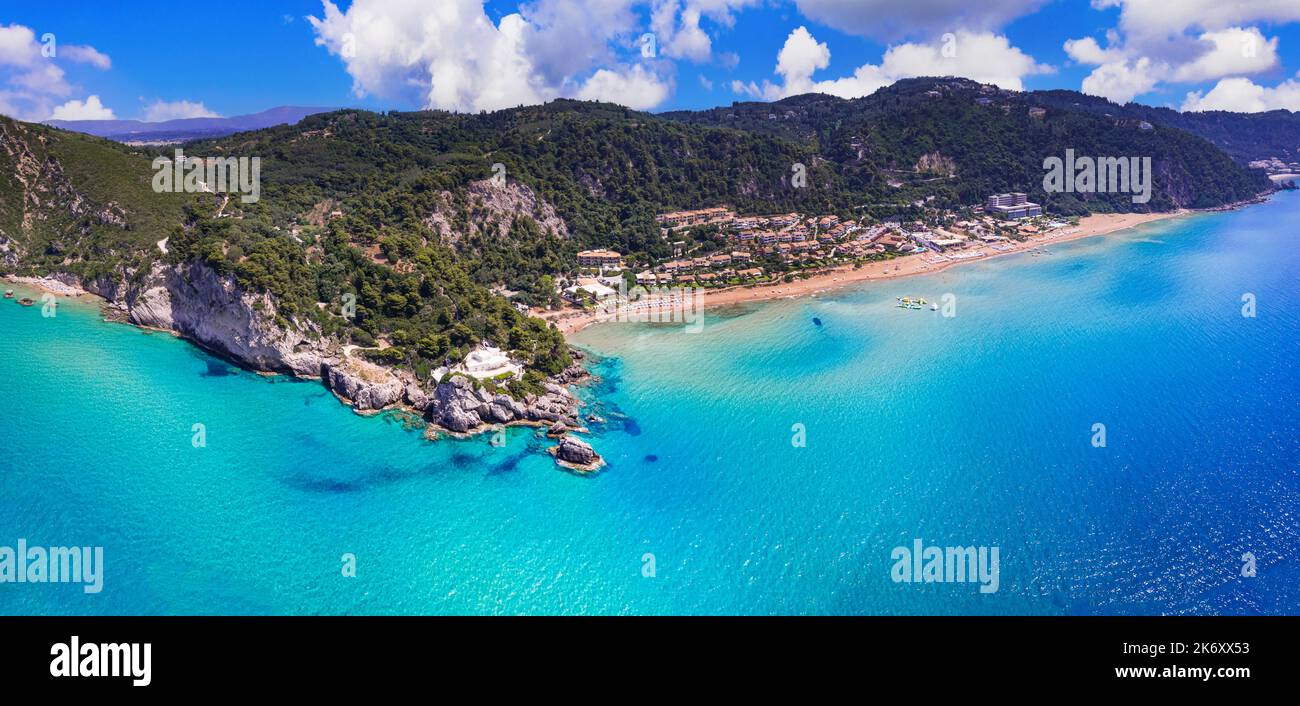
10,251
575,454
461,406
367,386
211,310
488,205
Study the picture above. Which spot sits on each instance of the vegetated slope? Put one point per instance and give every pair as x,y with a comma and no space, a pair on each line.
990,140
76,203
1246,137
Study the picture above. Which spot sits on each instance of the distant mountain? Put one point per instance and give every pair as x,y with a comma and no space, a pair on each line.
1246,137
958,140
138,131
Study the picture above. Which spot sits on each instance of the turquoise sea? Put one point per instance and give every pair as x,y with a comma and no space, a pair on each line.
974,430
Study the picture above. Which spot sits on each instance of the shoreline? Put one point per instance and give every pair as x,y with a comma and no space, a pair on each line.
109,312
901,267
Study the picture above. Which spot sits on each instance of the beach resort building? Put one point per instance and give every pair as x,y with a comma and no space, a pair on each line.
590,289
1012,205
600,258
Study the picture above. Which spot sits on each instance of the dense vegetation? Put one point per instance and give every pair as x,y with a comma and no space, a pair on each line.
1244,136
992,140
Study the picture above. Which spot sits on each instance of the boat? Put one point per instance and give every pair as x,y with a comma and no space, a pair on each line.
9,294
910,303
934,307
27,301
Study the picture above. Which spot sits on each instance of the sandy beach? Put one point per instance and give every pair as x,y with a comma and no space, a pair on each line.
571,321
47,284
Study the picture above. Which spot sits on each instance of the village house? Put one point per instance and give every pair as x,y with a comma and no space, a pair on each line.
600,258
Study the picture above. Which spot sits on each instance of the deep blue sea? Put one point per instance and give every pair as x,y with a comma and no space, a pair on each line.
973,430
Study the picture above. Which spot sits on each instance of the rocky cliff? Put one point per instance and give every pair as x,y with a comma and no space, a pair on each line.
196,302
488,206
209,309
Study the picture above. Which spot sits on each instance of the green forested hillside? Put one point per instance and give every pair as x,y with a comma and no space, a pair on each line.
994,141
78,203
1245,137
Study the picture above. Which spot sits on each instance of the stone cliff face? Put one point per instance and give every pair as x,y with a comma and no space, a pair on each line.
9,250
201,305
489,206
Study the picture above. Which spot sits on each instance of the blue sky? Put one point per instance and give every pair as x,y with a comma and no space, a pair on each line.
151,59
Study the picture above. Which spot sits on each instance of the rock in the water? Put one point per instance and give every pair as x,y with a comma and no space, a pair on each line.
368,386
577,454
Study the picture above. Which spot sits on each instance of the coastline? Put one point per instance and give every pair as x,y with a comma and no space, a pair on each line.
556,407
896,268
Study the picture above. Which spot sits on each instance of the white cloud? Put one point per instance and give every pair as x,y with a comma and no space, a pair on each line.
1233,51
801,57
1245,96
1123,74
32,81
676,25
1149,23
894,19
568,38
1088,51
45,79
86,55
450,55
18,46
158,111
983,57
636,88
89,109
1122,81
1188,41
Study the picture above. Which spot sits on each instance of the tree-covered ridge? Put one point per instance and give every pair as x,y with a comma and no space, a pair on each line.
606,169
997,141
1246,137
85,206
